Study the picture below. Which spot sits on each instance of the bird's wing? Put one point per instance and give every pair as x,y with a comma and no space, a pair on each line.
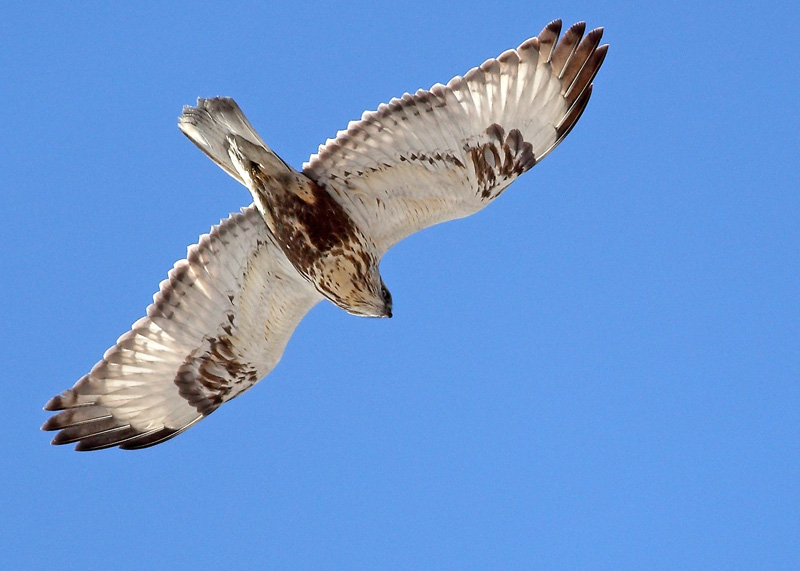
219,323
447,152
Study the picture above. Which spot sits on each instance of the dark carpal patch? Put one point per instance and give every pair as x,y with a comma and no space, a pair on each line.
211,373
501,158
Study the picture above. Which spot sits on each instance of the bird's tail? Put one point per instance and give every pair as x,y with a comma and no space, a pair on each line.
217,126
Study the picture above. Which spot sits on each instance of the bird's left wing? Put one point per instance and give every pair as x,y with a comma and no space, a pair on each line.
447,152
218,324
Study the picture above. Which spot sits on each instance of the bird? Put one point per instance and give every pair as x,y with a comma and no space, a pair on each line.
221,320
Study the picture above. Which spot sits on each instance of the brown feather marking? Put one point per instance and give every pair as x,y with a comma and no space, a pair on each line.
305,234
432,159
212,373
315,232
503,157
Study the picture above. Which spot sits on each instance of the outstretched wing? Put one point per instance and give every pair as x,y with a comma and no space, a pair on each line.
447,152
219,323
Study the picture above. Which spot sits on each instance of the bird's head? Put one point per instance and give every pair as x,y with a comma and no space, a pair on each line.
369,302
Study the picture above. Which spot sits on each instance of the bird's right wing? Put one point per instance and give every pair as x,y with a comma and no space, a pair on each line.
219,323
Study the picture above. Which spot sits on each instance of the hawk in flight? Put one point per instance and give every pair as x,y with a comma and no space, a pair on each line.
222,318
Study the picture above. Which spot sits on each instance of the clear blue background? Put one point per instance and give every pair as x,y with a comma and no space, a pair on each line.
600,371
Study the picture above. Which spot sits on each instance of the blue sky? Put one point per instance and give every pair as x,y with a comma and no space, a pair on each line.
600,371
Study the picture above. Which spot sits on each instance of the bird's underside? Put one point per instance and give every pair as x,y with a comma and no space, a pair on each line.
221,320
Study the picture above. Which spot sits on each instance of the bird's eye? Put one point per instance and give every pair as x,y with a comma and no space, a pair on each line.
387,297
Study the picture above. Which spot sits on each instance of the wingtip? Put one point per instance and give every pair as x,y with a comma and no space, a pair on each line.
601,54
50,424
594,36
55,403
548,38
578,28
554,26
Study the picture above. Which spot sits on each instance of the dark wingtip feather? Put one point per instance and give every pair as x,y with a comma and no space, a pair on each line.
587,74
149,439
576,30
572,116
553,27
548,38
111,439
563,52
76,432
70,398
600,55
55,403
594,36
51,424
582,66
82,415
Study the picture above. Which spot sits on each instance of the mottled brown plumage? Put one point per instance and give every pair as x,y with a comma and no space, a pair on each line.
500,159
